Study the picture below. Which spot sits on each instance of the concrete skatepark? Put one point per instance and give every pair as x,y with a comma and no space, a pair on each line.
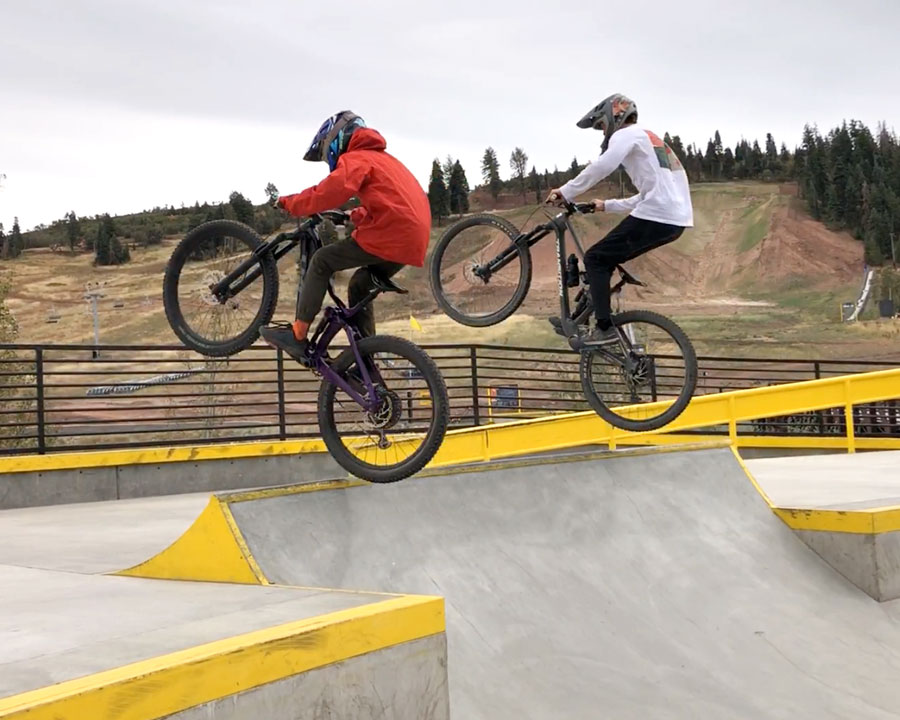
653,582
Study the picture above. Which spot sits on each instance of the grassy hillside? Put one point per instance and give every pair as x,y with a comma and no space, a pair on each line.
755,276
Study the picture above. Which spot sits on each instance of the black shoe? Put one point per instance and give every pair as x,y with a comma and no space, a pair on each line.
557,325
598,337
282,336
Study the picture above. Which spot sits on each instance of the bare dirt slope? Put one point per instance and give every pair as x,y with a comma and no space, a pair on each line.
754,258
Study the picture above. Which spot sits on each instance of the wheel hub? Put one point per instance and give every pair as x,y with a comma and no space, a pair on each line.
211,278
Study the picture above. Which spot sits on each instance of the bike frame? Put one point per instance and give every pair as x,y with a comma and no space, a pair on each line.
558,225
334,319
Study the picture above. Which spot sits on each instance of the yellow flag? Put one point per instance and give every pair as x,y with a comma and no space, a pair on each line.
414,324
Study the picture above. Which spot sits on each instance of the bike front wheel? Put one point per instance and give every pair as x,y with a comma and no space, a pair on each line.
207,255
459,281
403,434
644,381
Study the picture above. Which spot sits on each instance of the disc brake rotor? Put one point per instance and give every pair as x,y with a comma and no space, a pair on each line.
388,413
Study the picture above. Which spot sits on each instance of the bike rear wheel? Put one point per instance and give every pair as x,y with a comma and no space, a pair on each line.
205,256
468,298
647,379
402,436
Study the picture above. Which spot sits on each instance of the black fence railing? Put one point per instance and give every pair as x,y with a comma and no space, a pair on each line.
67,397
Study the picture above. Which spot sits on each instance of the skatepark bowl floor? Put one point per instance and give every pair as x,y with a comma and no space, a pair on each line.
679,582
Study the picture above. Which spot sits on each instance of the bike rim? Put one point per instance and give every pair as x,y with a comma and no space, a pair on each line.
466,292
399,429
639,377
208,260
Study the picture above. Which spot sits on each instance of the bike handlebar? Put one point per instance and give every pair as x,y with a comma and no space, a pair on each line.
585,208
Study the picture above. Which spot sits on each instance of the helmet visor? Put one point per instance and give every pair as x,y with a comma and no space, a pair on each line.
316,150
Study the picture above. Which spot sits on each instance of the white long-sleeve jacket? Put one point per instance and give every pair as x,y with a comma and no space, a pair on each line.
663,192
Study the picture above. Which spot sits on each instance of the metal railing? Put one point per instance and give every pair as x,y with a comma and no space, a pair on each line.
77,397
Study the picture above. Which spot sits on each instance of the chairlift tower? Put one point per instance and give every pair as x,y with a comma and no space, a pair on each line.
92,293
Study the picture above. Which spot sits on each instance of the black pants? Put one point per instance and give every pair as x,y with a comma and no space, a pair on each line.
627,240
343,255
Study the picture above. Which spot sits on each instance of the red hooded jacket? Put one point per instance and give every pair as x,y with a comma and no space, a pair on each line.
394,221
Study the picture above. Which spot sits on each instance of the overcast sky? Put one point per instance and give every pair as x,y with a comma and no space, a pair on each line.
113,105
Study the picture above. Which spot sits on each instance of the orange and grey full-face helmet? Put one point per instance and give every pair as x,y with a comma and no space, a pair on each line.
610,115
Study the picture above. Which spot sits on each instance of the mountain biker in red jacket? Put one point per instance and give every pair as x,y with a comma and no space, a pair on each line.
393,223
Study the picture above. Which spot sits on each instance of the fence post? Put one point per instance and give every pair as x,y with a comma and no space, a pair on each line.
39,380
817,370
848,417
282,421
476,412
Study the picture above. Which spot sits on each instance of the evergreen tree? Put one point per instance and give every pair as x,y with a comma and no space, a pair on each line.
574,168
243,208
438,197
447,169
518,161
16,241
108,249
756,161
535,182
771,155
4,244
271,194
73,230
711,164
490,172
728,164
557,177
458,190
678,147
785,163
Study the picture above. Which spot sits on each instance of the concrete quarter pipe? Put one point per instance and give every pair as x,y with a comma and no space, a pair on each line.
648,585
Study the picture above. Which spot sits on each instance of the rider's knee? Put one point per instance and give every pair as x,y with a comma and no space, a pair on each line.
319,263
596,258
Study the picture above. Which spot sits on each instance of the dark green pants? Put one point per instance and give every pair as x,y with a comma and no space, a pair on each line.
343,255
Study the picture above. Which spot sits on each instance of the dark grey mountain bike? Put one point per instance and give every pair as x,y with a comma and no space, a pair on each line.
481,271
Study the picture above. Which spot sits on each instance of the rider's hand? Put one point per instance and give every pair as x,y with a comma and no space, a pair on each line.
599,205
555,197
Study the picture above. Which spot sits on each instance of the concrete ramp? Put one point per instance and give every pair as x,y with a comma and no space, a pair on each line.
627,585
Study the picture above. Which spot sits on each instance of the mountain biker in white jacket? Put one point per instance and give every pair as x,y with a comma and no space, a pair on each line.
657,215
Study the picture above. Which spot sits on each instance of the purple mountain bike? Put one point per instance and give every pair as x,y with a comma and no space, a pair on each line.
382,405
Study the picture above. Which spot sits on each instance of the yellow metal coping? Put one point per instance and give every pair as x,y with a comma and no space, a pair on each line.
172,683
556,432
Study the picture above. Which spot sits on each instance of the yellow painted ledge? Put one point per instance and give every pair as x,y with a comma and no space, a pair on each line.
172,683
869,521
865,522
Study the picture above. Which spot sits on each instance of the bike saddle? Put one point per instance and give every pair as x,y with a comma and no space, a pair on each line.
385,284
628,278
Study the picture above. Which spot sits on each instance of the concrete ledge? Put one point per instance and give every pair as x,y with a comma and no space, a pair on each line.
861,544
403,681
174,683
870,561
66,485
